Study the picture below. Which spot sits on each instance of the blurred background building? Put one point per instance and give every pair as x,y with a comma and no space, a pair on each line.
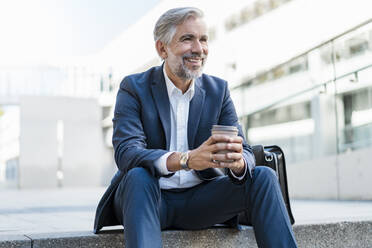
299,72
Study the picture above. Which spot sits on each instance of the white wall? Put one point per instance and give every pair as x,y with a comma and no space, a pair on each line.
85,158
343,177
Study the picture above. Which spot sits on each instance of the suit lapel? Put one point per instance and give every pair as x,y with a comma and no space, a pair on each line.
161,99
195,110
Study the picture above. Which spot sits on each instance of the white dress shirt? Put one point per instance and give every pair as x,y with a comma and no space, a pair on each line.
179,113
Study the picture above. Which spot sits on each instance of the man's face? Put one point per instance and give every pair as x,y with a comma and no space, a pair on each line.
188,50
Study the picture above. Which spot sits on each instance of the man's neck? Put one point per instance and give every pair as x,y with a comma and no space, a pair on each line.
180,83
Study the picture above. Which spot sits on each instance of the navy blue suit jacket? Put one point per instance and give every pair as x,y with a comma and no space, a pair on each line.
142,128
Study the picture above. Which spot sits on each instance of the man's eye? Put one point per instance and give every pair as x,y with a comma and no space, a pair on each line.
204,39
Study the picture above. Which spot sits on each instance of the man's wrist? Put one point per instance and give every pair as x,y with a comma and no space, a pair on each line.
173,162
238,172
184,159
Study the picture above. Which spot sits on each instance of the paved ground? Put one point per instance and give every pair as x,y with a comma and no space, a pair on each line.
69,210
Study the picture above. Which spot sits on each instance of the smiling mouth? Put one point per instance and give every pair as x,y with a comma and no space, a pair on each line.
194,60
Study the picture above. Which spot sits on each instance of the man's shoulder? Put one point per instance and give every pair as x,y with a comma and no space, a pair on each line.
212,78
212,82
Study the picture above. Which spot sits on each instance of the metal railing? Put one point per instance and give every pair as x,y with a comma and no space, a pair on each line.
302,92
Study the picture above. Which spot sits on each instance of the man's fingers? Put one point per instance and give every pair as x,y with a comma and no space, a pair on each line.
218,138
234,147
231,165
227,157
218,147
236,139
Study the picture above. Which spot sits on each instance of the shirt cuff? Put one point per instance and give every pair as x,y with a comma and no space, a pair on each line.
245,171
161,164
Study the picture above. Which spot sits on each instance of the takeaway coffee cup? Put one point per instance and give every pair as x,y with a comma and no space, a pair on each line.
225,130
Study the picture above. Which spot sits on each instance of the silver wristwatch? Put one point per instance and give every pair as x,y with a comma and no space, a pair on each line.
183,161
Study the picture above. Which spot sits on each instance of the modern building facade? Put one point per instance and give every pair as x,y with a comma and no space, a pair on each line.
51,126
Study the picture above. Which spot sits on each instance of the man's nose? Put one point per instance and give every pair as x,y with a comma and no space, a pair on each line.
197,47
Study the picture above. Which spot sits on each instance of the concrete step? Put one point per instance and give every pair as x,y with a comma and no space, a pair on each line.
338,235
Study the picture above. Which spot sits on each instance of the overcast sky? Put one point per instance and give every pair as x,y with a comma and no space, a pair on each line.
42,30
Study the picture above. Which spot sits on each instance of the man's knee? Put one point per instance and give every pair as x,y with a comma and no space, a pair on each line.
139,179
138,173
264,173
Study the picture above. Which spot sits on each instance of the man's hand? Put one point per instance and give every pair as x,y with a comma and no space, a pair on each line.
205,156
234,158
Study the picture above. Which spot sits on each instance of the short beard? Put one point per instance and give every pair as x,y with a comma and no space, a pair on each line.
185,73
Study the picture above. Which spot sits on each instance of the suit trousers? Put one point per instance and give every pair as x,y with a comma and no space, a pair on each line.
145,210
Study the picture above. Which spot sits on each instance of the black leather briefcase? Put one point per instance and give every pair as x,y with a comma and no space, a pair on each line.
273,157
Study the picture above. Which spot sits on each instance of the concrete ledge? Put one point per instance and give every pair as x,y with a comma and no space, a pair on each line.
337,235
15,241
77,239
332,235
343,235
210,238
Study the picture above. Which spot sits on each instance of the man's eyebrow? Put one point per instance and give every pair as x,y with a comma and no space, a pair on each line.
193,36
187,36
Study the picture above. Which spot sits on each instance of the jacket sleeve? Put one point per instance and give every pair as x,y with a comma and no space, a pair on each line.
129,139
229,117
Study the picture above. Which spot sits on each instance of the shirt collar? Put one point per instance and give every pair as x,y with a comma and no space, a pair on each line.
171,88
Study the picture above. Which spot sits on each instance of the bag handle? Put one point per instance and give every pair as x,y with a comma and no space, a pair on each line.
259,154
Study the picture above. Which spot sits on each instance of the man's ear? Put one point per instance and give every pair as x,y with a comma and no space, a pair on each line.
160,48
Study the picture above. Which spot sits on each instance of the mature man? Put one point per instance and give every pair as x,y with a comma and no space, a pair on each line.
168,161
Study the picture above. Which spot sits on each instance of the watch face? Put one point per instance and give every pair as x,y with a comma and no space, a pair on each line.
183,161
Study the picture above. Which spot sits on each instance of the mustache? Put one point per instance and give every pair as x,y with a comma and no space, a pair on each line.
194,56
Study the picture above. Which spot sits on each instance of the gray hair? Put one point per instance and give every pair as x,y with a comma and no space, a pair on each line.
165,27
